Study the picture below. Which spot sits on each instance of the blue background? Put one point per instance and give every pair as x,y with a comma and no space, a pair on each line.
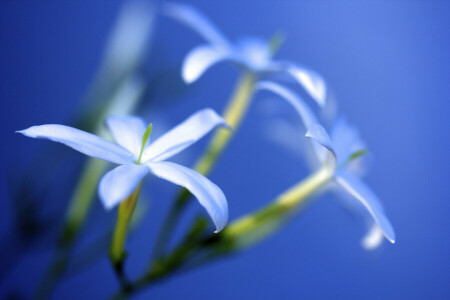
386,62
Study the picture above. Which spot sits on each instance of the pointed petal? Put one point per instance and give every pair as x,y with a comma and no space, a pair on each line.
307,116
362,193
127,132
116,185
311,81
207,193
196,21
183,135
81,141
201,59
319,134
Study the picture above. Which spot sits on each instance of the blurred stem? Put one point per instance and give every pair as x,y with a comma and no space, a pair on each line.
234,237
80,204
117,252
233,115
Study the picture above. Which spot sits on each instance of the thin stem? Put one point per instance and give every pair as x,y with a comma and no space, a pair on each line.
233,115
241,233
117,252
80,204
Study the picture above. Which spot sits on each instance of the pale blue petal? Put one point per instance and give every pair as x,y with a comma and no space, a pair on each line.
346,140
373,238
196,21
127,132
201,59
207,193
317,133
81,141
311,81
306,115
362,193
183,135
252,53
116,185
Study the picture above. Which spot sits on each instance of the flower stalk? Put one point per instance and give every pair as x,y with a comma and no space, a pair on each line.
117,252
233,115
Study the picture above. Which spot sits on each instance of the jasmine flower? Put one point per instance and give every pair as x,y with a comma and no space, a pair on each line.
137,157
340,154
252,54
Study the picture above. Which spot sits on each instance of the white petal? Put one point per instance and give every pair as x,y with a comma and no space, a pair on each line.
312,82
116,185
253,53
207,193
373,238
319,135
127,132
196,21
366,197
183,135
81,141
306,115
200,59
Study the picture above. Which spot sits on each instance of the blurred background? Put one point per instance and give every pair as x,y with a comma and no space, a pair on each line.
386,62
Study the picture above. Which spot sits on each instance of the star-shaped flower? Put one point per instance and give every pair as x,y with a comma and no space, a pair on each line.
251,53
137,157
340,153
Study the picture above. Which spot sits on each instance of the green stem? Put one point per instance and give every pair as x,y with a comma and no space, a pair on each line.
243,232
233,115
117,252
79,206
284,205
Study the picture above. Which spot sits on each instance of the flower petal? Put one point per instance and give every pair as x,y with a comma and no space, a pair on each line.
208,194
116,185
306,115
362,193
201,59
81,141
319,134
196,21
183,135
373,238
311,81
127,132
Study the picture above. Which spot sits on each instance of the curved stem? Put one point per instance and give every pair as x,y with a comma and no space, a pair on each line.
233,115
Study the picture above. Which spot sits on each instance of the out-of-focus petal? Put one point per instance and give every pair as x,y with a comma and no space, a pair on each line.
201,59
116,185
183,135
362,193
346,139
311,81
317,133
306,115
127,132
196,21
208,194
252,53
373,238
81,141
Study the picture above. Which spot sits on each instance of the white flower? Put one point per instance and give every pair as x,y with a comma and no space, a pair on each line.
133,147
338,153
251,53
